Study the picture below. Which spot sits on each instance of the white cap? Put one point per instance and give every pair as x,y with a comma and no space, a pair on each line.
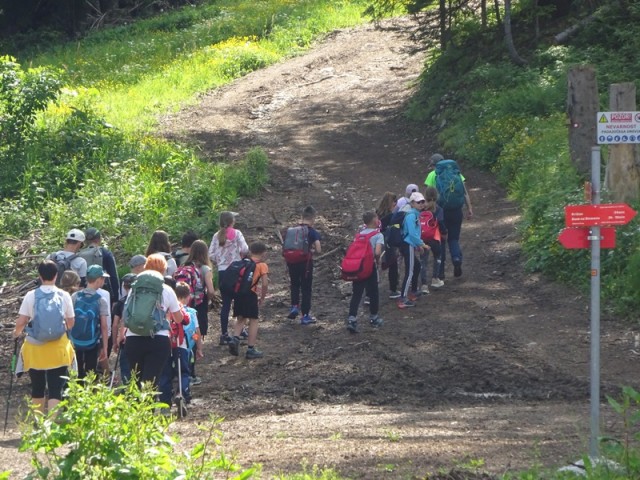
416,197
75,234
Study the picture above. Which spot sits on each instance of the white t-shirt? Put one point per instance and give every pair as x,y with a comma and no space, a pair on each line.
169,305
29,301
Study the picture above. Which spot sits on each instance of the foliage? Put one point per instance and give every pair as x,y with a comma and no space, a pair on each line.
98,432
625,450
23,94
511,120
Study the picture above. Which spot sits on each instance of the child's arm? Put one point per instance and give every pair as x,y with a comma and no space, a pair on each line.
264,286
199,343
317,248
208,281
115,329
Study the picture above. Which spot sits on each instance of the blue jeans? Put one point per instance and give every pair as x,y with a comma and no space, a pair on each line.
170,372
453,222
434,249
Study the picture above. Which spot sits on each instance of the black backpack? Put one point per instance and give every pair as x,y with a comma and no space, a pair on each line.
238,277
393,233
62,263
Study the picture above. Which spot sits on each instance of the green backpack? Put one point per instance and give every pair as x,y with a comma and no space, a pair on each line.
143,314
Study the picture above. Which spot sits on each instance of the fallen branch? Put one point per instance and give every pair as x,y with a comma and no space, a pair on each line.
328,253
569,32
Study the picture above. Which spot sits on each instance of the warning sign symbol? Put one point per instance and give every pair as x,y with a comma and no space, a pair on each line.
603,119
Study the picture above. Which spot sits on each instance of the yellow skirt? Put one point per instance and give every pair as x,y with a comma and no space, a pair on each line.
55,354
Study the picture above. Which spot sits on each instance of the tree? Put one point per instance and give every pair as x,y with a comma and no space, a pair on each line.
508,36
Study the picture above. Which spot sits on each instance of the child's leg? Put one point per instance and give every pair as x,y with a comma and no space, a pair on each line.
424,261
307,283
240,321
371,286
435,250
165,383
296,270
253,332
393,270
408,253
125,368
415,276
356,296
184,372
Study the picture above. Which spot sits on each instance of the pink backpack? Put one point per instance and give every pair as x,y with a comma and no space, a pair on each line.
428,225
358,262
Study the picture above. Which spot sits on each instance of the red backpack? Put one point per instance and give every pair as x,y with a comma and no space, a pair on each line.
191,275
428,225
358,262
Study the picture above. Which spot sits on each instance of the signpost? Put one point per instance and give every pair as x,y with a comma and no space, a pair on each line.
590,226
572,238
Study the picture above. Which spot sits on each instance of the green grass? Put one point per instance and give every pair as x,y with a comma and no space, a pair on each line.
132,74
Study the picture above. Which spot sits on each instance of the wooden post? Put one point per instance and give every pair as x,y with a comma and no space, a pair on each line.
622,175
582,107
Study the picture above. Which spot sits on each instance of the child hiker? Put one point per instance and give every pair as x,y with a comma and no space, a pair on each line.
390,260
369,284
433,230
246,306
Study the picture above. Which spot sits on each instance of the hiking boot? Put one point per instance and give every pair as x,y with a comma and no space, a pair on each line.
244,334
225,339
307,320
253,353
195,381
352,325
405,303
395,294
376,322
425,289
293,313
234,346
437,283
457,269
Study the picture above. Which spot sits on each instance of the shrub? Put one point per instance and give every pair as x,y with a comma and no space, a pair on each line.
98,432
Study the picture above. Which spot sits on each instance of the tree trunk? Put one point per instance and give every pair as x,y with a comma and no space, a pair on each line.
483,13
622,177
508,36
497,5
582,108
443,24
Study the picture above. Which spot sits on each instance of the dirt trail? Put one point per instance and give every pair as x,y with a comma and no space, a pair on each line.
494,366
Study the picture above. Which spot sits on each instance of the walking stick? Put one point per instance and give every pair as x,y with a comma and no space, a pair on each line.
115,367
14,357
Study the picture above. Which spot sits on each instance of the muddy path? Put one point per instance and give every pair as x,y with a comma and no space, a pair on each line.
493,366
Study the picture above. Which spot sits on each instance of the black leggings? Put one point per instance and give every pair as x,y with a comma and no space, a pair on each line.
41,379
147,356
87,361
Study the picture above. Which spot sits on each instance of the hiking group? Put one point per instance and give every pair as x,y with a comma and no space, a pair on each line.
156,319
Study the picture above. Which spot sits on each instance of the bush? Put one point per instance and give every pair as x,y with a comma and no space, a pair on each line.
98,432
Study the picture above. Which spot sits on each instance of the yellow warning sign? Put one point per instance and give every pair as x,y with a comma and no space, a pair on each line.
603,119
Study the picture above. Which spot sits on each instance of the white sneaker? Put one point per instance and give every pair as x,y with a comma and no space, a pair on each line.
425,289
437,283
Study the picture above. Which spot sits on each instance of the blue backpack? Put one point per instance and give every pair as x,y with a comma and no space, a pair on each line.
449,185
47,323
190,330
86,332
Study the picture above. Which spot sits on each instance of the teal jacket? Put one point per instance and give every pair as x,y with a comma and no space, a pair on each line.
411,228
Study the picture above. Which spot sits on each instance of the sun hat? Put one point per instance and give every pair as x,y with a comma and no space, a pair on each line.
416,197
75,234
412,187
137,260
96,271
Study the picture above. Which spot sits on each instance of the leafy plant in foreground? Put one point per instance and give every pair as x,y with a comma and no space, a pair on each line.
98,432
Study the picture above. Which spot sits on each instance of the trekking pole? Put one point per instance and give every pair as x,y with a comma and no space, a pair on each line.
14,358
115,367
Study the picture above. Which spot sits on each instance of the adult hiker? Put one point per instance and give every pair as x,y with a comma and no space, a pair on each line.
97,254
68,258
46,315
453,195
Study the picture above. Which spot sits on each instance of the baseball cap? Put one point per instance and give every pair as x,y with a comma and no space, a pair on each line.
75,234
137,260
416,197
412,187
96,271
92,233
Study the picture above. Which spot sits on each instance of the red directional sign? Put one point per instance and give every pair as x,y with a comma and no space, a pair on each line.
579,237
598,215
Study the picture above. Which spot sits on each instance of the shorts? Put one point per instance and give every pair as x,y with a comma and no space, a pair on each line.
246,305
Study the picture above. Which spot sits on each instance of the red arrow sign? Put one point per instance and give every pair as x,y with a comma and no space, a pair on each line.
579,238
598,215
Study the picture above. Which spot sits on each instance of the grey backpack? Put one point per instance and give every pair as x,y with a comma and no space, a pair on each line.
47,323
